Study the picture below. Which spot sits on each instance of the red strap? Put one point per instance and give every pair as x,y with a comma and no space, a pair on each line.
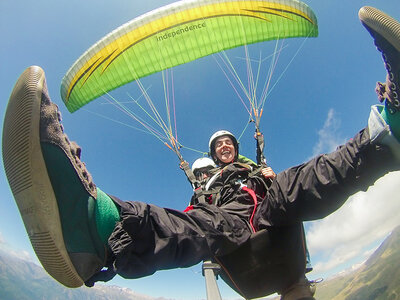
190,207
254,197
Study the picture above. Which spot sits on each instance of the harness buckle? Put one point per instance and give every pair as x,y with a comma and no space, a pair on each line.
240,183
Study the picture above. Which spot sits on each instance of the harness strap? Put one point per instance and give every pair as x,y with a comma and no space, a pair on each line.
256,172
184,165
199,194
254,198
260,148
198,190
203,196
216,195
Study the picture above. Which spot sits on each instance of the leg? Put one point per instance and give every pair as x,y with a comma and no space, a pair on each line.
315,189
150,238
69,220
386,34
31,128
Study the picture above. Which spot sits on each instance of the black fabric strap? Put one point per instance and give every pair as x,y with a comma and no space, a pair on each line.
189,173
198,190
260,148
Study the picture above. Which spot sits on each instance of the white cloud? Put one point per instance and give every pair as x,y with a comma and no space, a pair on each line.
328,136
24,255
365,217
21,254
351,233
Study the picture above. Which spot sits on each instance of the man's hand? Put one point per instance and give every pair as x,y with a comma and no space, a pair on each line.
268,173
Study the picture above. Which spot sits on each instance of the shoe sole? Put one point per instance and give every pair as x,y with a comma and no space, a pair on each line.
383,24
27,175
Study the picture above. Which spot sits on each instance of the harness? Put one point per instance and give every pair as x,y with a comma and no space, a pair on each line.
236,177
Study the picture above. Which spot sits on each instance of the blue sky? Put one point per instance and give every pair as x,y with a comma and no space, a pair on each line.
322,99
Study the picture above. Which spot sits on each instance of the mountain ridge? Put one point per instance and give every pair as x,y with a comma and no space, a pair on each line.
21,279
377,279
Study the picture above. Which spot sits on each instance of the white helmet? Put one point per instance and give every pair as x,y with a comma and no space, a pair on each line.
203,162
215,136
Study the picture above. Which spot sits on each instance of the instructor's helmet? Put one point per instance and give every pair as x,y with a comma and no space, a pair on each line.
202,166
213,139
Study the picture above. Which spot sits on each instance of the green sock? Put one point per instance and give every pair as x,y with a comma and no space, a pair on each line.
107,215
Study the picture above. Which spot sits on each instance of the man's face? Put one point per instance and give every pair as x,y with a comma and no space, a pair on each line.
224,149
202,174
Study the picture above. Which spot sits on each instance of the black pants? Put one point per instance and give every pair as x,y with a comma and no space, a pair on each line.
150,238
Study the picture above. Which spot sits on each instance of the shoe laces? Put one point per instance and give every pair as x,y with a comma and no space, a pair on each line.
389,90
76,151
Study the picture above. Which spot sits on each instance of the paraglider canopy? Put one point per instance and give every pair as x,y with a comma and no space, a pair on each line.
176,34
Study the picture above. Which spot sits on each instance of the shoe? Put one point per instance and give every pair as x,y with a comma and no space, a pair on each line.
386,33
303,289
54,192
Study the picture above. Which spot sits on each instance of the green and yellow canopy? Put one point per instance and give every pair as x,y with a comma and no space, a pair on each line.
176,34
